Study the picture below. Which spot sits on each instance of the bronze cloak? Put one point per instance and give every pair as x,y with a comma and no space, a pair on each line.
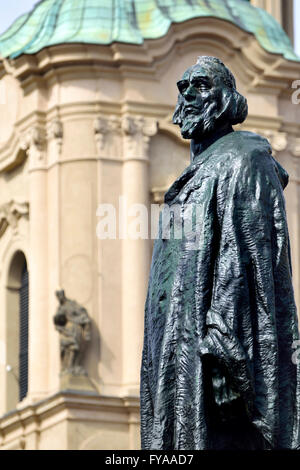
230,298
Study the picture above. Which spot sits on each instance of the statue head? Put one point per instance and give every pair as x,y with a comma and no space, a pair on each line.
208,99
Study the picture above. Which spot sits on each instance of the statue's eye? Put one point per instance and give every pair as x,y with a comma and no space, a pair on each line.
182,86
201,85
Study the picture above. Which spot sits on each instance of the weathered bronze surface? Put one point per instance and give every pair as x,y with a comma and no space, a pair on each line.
74,326
220,317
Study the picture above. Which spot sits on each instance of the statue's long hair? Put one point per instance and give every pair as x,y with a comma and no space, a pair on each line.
234,109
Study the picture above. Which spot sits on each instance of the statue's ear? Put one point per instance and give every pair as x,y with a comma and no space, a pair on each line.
234,108
177,113
227,102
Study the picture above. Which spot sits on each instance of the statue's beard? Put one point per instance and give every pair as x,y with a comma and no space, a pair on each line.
198,123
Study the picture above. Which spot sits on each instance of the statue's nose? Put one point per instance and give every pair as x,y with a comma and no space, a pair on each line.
189,94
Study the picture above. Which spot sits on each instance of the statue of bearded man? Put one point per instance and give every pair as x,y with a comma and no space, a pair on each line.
220,318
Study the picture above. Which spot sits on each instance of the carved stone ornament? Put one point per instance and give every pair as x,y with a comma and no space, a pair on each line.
137,131
295,147
10,214
55,132
34,142
103,128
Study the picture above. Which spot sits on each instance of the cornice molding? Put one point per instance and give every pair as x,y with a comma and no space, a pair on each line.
62,406
260,68
273,123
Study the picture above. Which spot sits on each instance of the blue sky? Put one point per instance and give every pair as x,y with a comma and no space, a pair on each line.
11,9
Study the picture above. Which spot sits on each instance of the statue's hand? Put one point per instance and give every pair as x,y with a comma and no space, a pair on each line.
226,398
225,366
224,395
224,391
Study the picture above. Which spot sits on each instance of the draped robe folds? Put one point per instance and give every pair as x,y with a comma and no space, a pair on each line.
230,296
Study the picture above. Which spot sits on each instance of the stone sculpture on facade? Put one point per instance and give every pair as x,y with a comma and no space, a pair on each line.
74,326
10,214
220,317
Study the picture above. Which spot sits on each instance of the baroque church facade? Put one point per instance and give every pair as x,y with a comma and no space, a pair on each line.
86,103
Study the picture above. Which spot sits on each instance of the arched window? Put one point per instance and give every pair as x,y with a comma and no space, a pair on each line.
17,319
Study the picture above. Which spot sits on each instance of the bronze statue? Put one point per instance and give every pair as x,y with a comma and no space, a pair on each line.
74,325
220,316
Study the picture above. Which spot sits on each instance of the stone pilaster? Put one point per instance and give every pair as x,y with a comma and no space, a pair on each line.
137,132
35,145
109,151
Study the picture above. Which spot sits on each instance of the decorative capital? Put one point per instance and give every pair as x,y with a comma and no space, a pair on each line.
137,132
34,143
134,130
105,130
10,213
55,133
278,140
294,147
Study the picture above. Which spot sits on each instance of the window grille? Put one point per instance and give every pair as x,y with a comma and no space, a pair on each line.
23,345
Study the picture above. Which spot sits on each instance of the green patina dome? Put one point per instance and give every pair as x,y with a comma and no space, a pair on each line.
131,21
